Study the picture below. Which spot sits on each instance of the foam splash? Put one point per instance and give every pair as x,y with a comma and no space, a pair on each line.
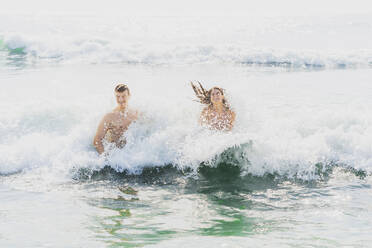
49,126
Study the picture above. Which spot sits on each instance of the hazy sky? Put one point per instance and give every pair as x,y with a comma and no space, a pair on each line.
192,7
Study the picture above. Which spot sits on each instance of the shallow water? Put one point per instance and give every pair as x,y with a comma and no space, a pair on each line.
230,212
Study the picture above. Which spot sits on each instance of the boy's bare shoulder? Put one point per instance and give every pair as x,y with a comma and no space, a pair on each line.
133,113
110,116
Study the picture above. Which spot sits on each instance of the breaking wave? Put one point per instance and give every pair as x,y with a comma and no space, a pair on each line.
308,43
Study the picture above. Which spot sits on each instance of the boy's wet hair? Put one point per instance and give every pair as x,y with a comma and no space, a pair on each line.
121,88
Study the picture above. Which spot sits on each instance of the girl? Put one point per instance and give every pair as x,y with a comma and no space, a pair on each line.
217,114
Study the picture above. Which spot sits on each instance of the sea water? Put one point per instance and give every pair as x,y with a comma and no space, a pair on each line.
294,172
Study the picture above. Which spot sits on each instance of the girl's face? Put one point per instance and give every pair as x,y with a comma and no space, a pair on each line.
216,96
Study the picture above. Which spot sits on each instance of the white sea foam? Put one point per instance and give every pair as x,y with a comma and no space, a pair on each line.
294,120
309,42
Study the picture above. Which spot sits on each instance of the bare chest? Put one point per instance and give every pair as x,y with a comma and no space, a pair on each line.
120,123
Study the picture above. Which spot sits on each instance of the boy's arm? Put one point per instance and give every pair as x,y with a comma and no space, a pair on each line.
100,134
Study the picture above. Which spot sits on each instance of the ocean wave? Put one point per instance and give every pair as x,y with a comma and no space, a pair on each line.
91,51
289,42
296,121
179,149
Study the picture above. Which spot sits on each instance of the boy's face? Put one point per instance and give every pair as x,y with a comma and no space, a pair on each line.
122,98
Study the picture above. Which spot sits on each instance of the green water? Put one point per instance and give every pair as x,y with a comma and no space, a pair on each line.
221,204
